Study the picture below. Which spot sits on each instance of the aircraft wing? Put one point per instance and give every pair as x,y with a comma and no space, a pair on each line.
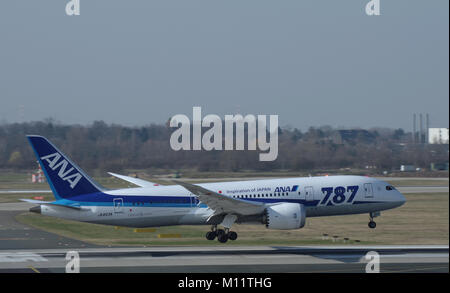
221,203
136,181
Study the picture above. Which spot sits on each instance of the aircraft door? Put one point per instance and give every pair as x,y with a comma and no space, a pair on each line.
118,204
368,190
309,193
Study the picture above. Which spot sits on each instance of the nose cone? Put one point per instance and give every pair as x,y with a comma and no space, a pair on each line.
400,199
36,210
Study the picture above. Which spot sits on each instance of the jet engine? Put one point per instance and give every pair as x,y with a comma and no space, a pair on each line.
285,216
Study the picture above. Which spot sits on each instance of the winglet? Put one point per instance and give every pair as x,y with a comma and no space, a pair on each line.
136,181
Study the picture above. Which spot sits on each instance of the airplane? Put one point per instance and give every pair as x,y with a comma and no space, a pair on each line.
280,204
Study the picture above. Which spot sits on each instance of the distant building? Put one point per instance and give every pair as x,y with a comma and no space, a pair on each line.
439,166
438,135
407,168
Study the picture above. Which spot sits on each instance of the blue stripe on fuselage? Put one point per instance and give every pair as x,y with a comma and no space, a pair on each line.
103,199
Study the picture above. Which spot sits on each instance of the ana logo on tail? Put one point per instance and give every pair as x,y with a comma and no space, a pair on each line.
54,163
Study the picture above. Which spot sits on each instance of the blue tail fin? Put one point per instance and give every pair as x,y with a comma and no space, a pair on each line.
65,178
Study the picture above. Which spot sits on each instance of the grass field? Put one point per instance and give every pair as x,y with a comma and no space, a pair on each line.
418,182
422,220
22,181
15,197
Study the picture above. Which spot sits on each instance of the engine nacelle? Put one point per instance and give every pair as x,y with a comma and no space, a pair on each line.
285,216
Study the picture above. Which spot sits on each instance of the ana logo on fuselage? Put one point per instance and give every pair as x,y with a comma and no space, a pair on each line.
54,163
286,188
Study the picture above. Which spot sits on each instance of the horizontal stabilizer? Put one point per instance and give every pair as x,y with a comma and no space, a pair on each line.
34,201
50,203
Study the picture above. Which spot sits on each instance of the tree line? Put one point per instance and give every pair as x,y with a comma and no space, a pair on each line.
112,147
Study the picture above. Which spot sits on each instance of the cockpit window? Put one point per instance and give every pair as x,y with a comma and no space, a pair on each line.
389,187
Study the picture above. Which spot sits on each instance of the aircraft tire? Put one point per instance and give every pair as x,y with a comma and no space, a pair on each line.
220,232
222,238
232,235
211,235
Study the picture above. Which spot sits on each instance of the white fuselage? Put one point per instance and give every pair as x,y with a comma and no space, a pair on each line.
174,205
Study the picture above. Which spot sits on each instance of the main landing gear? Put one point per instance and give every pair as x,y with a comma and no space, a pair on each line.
222,235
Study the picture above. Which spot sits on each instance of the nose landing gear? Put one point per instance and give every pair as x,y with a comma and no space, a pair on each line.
372,223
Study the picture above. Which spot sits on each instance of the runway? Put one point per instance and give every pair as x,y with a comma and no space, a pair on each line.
29,250
24,249
212,259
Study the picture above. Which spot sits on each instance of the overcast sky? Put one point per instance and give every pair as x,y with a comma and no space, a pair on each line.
312,62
